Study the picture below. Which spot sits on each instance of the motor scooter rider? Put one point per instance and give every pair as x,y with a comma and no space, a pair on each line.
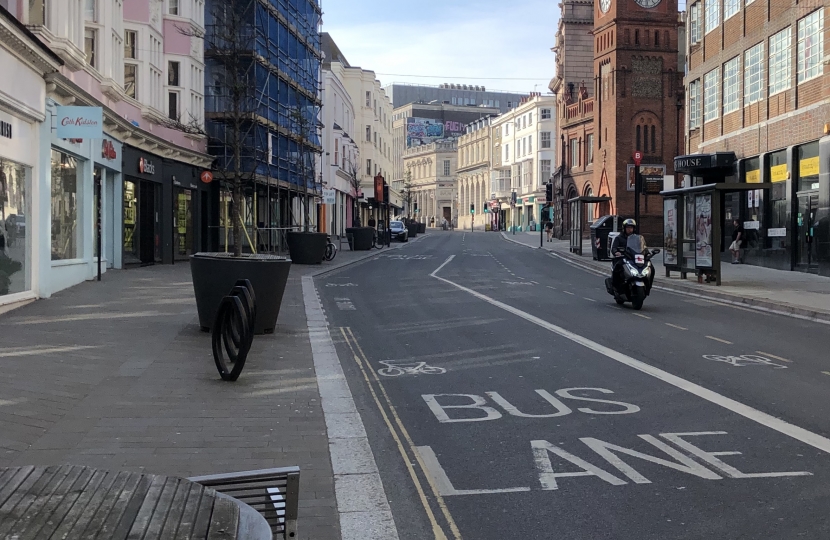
618,250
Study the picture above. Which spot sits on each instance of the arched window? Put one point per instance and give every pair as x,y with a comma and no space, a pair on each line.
657,38
653,139
666,41
638,138
636,37
627,36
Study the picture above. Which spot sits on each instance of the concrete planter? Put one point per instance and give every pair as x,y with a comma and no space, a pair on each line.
413,229
422,228
361,238
215,274
307,247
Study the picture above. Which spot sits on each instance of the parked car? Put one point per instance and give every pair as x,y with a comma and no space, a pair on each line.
398,231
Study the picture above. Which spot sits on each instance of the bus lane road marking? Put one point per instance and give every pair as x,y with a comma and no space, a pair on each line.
798,433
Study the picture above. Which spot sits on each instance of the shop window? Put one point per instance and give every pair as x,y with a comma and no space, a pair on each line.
808,165
14,266
64,206
777,173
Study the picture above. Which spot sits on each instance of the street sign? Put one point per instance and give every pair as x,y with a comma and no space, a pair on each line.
638,157
206,177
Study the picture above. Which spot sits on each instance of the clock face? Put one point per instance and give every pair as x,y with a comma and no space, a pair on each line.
648,4
605,5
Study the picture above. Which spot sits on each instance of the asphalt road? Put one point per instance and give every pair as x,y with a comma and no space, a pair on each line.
506,395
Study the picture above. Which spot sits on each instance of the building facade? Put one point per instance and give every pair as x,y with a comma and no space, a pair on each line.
758,87
416,124
340,151
526,144
462,95
433,172
276,50
475,150
113,57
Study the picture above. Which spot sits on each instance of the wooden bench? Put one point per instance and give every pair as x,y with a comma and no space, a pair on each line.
274,493
71,501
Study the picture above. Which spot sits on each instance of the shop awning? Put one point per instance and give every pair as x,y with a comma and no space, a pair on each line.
725,187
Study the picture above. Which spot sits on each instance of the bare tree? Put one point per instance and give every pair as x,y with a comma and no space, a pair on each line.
354,181
305,161
406,192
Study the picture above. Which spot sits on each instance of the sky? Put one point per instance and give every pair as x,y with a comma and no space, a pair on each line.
482,42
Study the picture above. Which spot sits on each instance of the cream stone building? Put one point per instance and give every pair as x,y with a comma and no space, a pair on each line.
474,165
432,169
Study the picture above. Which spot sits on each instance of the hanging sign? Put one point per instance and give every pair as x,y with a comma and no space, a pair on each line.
329,196
206,177
80,122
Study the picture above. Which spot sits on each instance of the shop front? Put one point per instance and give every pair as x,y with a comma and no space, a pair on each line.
190,201
18,166
144,216
787,224
107,194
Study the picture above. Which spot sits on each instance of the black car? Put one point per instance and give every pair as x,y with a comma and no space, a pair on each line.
398,231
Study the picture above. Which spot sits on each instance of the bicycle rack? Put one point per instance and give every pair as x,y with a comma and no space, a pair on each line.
233,330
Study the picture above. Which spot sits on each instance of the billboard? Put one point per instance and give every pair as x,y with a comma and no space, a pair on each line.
428,130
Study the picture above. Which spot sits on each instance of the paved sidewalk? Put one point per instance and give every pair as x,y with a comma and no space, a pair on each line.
117,375
791,293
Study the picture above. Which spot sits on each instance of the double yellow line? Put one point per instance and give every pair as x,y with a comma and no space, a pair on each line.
402,439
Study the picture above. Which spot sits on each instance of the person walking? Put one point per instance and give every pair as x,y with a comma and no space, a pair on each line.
549,230
738,241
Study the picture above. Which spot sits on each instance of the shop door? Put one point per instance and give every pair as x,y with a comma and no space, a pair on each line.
182,223
806,260
131,224
147,223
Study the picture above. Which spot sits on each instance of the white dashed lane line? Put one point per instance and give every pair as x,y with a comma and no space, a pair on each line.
773,356
641,315
713,338
675,326
588,299
568,292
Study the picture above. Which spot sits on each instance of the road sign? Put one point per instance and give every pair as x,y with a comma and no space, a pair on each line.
206,177
638,157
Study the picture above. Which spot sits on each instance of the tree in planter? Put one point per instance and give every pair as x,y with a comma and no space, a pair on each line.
406,192
354,182
305,162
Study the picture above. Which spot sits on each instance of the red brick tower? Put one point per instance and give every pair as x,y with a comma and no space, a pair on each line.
639,101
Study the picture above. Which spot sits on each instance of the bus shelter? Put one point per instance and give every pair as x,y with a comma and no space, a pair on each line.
693,231
577,211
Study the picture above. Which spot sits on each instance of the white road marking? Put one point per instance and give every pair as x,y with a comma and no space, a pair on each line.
549,287
675,326
33,351
641,316
719,339
826,372
773,356
588,299
442,481
568,292
807,437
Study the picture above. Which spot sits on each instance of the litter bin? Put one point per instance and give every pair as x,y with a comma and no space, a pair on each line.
600,230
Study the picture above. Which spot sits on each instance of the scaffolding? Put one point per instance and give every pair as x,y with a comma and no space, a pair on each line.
275,76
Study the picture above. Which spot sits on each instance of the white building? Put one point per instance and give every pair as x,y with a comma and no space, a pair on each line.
340,150
140,63
372,132
524,141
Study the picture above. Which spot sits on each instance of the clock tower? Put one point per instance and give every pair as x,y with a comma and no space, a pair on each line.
639,103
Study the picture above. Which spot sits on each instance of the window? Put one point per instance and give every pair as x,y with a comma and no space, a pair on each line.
529,119
530,144
590,143
130,44
173,7
90,36
656,38
446,167
507,152
368,133
172,74
694,104
545,114
90,10
173,105
545,139
518,151
544,171
730,7
524,146
37,12
130,80
810,45
574,153
711,98
638,145
780,61
64,207
731,78
653,139
711,12
507,129
369,167
754,74
368,99
375,136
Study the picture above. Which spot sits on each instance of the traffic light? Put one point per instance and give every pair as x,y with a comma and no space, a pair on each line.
472,208
549,191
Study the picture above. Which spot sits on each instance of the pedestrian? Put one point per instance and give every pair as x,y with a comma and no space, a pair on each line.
738,241
549,230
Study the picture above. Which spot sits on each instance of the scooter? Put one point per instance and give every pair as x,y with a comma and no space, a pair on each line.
637,273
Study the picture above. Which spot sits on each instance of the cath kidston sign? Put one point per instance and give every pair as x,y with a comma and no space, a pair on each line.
80,123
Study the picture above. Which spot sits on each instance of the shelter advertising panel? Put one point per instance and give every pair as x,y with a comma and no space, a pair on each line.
670,231
703,230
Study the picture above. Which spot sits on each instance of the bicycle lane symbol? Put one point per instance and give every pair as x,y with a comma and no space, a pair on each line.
745,360
396,369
